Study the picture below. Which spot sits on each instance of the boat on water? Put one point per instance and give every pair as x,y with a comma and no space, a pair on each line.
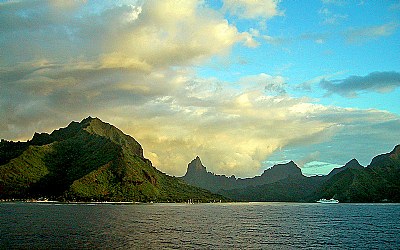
330,201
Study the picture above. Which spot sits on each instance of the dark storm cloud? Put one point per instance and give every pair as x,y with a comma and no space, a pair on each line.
374,82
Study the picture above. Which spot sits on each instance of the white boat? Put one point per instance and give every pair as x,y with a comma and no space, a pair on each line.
330,201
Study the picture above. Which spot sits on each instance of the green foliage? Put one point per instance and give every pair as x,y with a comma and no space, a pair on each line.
10,150
20,174
291,189
379,182
89,161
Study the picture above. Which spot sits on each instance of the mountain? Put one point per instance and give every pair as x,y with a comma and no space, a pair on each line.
87,160
378,182
197,175
290,189
353,164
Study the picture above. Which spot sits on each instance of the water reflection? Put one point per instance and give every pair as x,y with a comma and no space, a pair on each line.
238,225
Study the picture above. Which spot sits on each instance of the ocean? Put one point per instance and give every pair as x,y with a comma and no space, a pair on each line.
199,226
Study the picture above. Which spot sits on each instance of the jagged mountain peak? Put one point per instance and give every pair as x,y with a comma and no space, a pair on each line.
195,166
98,127
89,119
353,163
93,126
289,168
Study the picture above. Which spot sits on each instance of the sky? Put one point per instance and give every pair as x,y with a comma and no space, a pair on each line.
244,84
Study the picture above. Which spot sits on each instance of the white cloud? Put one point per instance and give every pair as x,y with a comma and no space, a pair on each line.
355,35
158,33
318,168
253,9
134,66
272,85
276,40
175,115
331,18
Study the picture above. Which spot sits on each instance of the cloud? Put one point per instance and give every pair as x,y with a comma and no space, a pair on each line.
252,9
318,38
173,113
272,85
360,134
65,5
276,40
380,82
356,35
331,18
395,6
233,136
308,85
135,67
318,168
157,33
335,2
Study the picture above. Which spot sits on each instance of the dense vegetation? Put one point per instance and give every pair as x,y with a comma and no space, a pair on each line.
88,161
94,161
291,189
378,182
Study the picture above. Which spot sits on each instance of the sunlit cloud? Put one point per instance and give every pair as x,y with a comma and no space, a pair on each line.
134,65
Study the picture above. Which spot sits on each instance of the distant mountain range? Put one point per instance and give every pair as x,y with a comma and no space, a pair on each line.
88,161
94,161
378,182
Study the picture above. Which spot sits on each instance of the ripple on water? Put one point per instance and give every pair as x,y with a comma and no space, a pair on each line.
243,225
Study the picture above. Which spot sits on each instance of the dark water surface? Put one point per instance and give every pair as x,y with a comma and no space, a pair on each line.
199,226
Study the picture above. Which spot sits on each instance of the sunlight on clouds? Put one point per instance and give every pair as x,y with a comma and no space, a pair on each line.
178,32
233,136
135,66
119,60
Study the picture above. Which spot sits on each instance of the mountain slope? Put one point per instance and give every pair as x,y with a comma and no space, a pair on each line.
249,188
89,160
198,176
290,189
353,164
379,181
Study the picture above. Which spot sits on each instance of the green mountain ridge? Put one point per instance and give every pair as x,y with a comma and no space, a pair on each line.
198,176
86,161
378,182
94,161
